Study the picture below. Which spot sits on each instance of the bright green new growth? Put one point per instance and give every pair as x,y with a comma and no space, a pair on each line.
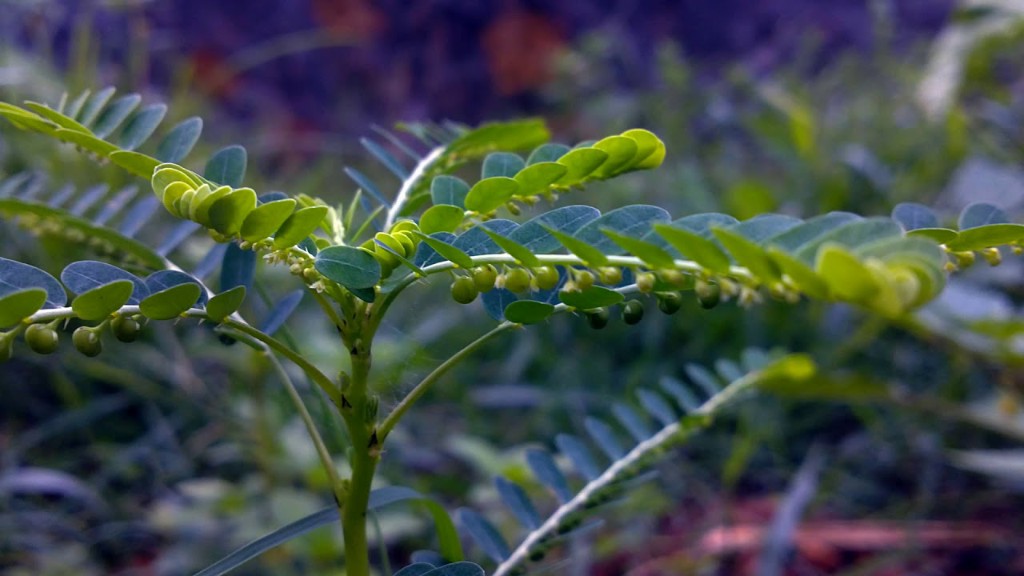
571,259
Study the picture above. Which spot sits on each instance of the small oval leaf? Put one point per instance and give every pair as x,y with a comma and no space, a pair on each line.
102,301
348,266
20,304
170,303
225,304
528,311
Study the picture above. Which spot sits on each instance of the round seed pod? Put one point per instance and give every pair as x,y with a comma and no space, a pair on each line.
708,294
125,328
484,277
517,280
633,312
669,302
584,279
645,282
464,290
546,277
87,341
610,275
42,339
597,318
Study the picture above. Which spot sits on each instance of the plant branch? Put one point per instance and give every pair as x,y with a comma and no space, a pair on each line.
410,183
314,435
424,385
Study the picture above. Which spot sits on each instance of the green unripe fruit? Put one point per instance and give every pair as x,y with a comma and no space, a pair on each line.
674,278
669,302
547,277
42,339
517,280
709,295
584,279
645,282
87,341
464,290
125,328
633,312
484,277
609,275
597,318
513,208
964,259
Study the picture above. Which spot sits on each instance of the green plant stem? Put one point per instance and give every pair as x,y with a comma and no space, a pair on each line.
314,434
365,454
424,385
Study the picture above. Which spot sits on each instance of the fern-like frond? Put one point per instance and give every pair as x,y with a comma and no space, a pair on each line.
670,417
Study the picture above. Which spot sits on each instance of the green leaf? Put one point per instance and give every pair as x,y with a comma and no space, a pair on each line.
20,304
984,236
518,502
75,106
110,238
845,275
227,166
802,275
765,226
225,304
270,541
141,126
265,219
695,247
446,189
517,135
591,298
536,178
521,253
650,150
199,209
55,117
620,150
811,229
229,212
16,277
102,301
649,253
528,311
180,140
139,164
170,303
581,162
939,235
853,234
589,254
545,469
504,164
26,120
86,141
490,194
113,115
534,234
81,277
163,279
94,105
441,218
635,221
299,226
981,214
547,153
912,216
483,533
348,266
447,251
748,253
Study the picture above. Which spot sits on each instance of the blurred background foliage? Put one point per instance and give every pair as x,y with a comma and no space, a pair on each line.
158,458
